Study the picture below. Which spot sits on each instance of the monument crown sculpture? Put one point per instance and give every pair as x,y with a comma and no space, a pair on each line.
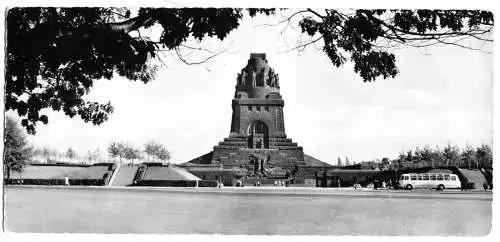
257,137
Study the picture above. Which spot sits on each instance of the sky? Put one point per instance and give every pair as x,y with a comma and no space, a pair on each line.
442,95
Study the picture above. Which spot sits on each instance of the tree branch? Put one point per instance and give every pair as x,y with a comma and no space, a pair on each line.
316,13
306,44
131,24
287,19
177,51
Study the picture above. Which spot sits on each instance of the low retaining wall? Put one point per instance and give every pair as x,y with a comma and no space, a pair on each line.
56,182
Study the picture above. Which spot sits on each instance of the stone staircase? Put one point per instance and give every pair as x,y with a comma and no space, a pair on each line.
123,175
474,176
280,142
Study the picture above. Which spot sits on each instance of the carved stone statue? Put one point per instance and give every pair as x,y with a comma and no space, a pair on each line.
254,161
266,76
243,77
272,81
258,144
270,76
239,79
276,80
254,79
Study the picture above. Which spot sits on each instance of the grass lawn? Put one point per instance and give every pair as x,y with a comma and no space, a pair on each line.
133,211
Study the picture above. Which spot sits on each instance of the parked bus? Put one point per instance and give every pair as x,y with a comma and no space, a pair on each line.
440,181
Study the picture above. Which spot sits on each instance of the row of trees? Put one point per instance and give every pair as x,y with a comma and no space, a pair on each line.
153,151
119,150
52,155
451,155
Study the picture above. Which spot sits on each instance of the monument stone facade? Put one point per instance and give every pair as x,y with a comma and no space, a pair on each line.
257,139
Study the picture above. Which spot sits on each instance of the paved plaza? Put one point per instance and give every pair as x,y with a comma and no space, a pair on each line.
248,210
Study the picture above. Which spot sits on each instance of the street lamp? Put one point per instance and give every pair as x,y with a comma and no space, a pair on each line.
220,174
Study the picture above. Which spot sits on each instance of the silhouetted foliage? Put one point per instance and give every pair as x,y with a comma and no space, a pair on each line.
54,55
367,37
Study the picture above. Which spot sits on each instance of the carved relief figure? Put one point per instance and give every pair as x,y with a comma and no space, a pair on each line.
272,81
239,80
276,80
255,162
254,79
258,143
266,76
243,77
270,77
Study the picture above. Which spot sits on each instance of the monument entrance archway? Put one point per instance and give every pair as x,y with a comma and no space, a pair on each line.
258,135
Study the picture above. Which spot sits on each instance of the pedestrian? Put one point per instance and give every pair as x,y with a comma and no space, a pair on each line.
66,180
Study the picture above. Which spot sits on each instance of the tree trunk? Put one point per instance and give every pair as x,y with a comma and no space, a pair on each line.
7,169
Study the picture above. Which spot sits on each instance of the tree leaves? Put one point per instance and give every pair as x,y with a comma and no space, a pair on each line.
358,34
16,149
309,25
56,54
450,155
154,149
374,64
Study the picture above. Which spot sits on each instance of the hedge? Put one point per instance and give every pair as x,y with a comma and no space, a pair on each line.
58,164
208,183
469,185
153,164
111,166
165,183
179,183
56,182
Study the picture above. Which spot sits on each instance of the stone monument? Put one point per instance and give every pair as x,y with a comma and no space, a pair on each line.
257,139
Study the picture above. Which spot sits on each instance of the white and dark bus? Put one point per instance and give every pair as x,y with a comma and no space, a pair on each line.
440,181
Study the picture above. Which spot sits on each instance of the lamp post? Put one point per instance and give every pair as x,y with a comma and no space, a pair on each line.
220,174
